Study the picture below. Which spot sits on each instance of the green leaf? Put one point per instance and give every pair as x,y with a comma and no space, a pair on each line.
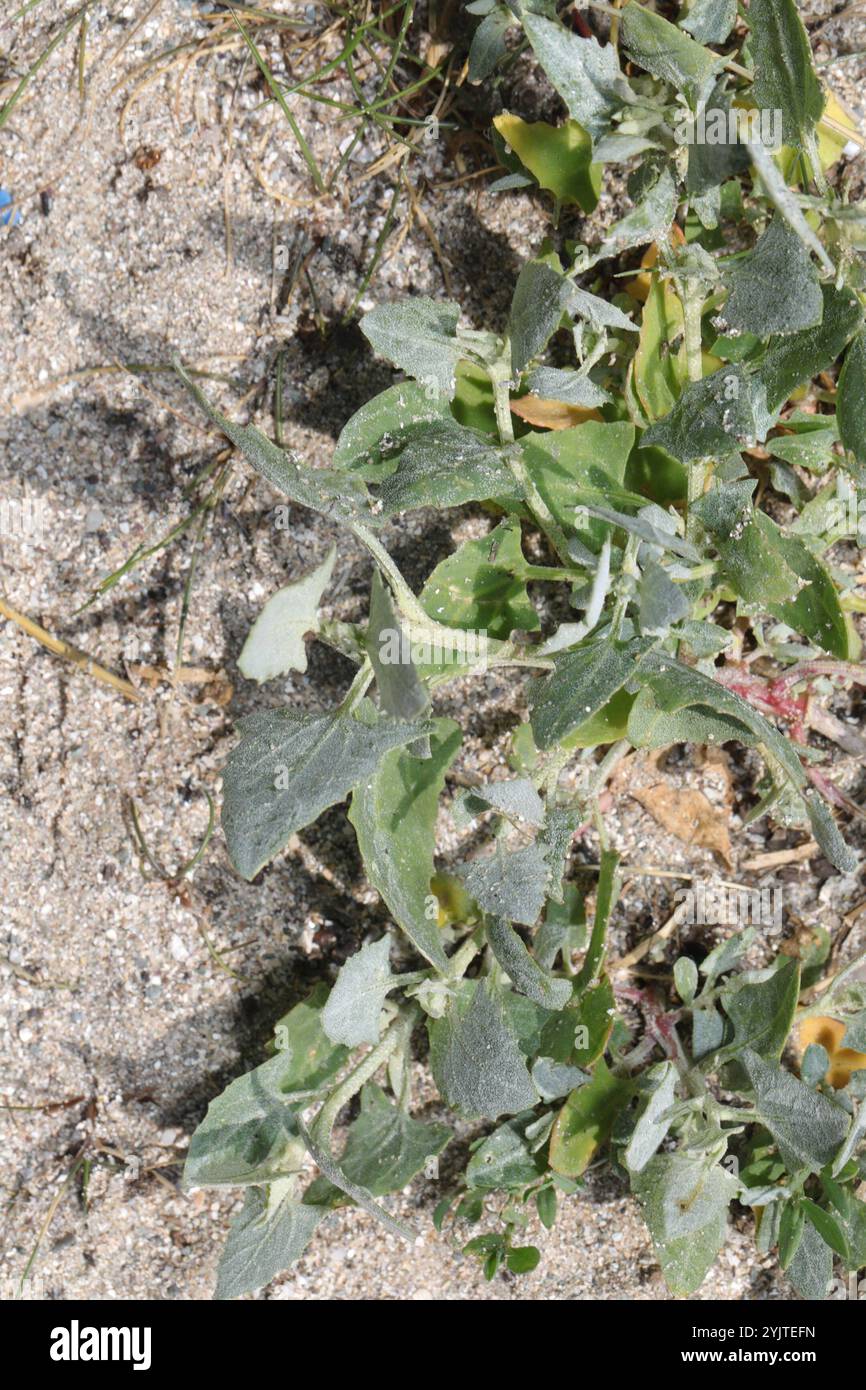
289,768
371,437
851,400
545,1201
792,361
475,1056
446,466
271,1232
354,1008
249,1132
522,1259
578,1035
581,683
275,643
685,1205
585,1121
762,1012
394,814
754,303
713,417
792,1223
579,465
324,490
510,884
481,587
559,158
523,970
586,75
663,50
385,1148
710,21
419,337
658,1089
807,1126
686,978
504,1160
660,367
555,1079
827,1227
785,78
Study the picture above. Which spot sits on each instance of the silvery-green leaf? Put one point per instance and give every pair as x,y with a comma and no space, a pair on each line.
557,1079
249,1132
511,884
598,312
515,798
504,1160
556,839
375,433
686,978
489,43
762,1011
401,691
323,489
650,726
767,567
649,220
685,1205
647,526
814,1064
586,75
446,466
290,767
553,384
811,1269
275,643
394,814
385,1148
713,416
662,49
710,21
722,958
539,302
855,1033
791,361
755,304
653,1121
785,201
475,1056
662,602
851,400
272,1231
523,970
354,1008
807,1126
580,685
481,587
418,336
785,78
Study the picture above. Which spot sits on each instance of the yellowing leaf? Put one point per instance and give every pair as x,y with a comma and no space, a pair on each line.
660,368
559,157
828,1033
551,415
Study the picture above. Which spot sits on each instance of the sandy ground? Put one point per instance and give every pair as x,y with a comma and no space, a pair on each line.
120,1020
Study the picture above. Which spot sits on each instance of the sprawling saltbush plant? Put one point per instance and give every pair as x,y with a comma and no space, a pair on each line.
642,429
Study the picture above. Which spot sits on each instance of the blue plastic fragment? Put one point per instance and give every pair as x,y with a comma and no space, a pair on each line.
7,217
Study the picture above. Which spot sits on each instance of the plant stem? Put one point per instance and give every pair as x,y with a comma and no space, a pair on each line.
324,1122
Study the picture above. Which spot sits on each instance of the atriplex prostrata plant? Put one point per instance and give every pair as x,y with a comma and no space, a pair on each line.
637,447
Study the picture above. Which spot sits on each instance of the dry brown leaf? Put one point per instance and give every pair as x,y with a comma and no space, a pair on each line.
687,814
551,415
